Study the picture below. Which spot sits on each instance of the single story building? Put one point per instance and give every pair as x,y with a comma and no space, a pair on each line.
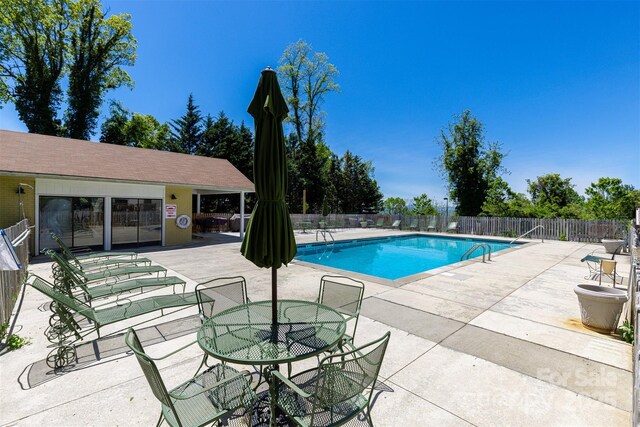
106,196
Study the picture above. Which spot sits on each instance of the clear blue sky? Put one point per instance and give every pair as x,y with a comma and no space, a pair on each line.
557,83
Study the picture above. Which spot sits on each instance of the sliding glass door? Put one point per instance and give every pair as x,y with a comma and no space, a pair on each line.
136,222
78,221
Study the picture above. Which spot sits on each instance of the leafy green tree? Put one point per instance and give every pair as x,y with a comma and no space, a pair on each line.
501,201
468,163
112,129
552,196
33,39
395,206
98,48
306,77
122,127
144,131
187,130
609,198
422,205
43,41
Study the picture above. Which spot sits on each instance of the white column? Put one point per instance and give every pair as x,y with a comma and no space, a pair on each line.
198,203
241,215
107,223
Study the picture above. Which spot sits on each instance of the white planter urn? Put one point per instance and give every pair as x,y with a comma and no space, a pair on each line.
600,307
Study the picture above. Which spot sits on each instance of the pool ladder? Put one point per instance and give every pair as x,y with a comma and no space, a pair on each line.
324,236
472,249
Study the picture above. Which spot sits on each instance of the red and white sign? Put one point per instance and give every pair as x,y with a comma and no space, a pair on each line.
170,211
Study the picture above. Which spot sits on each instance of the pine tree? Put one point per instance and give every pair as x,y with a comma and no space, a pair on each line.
187,130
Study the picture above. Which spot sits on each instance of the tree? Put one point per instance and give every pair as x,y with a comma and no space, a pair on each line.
357,190
501,201
395,206
187,130
98,48
144,131
468,163
41,41
135,130
306,77
32,59
553,196
112,129
609,198
422,205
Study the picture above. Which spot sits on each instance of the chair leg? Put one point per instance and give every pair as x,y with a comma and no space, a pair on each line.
160,419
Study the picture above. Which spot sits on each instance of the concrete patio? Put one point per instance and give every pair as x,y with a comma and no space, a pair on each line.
486,344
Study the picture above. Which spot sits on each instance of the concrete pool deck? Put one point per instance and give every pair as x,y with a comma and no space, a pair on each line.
493,344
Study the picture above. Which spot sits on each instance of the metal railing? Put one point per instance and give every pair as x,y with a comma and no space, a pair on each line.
11,281
529,232
634,282
472,249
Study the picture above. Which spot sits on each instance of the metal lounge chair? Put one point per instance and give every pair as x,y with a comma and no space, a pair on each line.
432,224
396,224
89,256
66,308
91,276
452,227
336,391
380,223
70,281
414,224
202,400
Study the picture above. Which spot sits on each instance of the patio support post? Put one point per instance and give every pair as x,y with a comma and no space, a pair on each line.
198,203
241,215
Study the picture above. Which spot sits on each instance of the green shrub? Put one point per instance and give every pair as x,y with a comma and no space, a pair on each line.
14,341
627,331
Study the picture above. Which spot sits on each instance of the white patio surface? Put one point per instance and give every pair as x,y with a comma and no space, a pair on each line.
493,344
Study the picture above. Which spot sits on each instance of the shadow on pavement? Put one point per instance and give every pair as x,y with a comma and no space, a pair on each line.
93,352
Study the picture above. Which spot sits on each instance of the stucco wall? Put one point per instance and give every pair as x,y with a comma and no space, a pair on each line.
9,202
173,235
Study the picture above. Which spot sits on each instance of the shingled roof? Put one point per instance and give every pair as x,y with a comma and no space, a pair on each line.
49,156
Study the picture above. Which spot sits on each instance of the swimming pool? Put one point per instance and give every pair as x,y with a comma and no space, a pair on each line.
393,257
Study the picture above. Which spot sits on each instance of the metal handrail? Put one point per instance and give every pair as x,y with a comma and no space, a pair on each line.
533,229
323,233
472,249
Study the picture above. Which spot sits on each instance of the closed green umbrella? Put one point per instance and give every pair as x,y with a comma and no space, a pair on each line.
269,240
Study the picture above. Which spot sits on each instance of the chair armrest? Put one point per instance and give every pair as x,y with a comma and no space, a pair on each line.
291,384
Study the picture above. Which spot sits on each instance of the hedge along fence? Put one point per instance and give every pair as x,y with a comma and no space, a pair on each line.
11,281
553,228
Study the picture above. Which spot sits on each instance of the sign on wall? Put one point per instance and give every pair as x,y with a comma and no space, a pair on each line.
170,211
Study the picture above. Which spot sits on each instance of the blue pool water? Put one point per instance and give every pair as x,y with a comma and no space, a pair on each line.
393,257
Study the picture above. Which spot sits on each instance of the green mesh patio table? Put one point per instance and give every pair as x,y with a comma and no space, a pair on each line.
245,335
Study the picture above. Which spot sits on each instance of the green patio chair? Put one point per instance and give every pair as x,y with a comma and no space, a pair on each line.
380,223
106,273
89,256
71,281
202,400
452,227
336,391
344,295
432,224
219,294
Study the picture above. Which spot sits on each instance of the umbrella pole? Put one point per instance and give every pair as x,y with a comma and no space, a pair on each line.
274,295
